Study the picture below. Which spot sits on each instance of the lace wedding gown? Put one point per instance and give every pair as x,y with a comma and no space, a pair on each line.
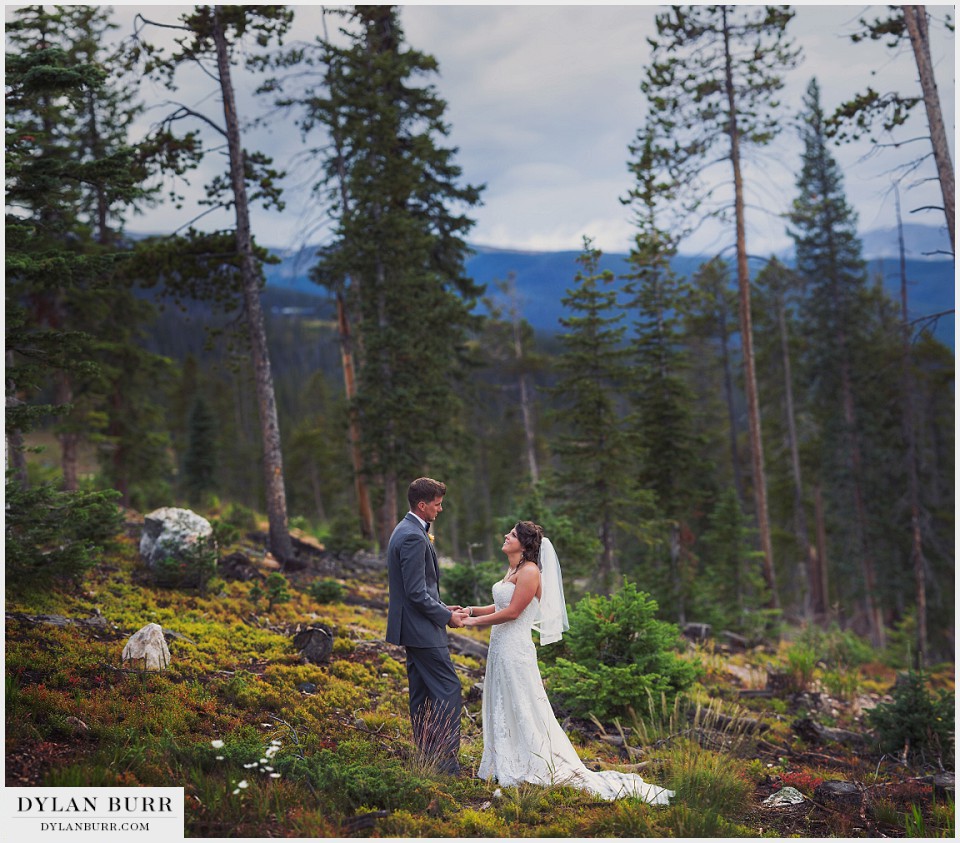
522,740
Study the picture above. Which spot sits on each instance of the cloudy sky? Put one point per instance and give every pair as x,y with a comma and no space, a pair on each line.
543,101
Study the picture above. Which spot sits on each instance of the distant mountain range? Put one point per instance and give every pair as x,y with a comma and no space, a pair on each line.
542,278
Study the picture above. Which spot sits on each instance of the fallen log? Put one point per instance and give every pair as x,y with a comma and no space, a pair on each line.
813,732
464,646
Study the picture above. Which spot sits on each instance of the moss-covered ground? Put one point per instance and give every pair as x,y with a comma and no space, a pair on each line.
262,754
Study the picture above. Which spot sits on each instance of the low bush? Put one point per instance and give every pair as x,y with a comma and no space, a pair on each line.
919,722
192,567
326,591
355,775
621,657
469,584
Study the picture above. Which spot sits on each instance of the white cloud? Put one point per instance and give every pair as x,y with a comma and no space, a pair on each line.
543,101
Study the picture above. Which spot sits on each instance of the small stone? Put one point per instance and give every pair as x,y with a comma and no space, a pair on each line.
270,562
78,725
784,796
307,688
838,793
147,649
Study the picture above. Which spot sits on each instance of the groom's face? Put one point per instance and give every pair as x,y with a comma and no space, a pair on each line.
430,510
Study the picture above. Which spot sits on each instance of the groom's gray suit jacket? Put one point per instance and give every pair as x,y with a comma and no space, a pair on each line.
415,617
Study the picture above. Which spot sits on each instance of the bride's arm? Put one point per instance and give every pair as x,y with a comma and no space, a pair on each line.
481,610
528,581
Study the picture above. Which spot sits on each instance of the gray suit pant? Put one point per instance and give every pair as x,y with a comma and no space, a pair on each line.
435,705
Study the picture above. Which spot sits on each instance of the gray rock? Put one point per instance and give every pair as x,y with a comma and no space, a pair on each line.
784,796
839,794
170,532
315,643
147,649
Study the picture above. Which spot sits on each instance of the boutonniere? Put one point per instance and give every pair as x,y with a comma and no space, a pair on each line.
432,538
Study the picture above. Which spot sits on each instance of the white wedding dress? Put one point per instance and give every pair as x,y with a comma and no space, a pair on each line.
522,740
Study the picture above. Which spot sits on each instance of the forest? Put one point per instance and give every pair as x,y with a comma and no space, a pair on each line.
764,446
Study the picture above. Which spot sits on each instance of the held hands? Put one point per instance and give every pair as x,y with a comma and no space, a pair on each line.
457,618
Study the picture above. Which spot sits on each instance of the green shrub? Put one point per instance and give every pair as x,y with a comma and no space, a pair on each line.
801,666
355,776
51,536
621,656
470,584
326,591
345,537
277,589
192,567
917,720
837,647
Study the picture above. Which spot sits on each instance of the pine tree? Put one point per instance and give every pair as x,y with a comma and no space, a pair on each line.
213,36
711,81
200,460
709,330
595,476
48,533
662,423
829,259
397,254
859,116
776,294
92,128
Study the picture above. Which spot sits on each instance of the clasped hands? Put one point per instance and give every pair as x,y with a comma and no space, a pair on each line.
459,617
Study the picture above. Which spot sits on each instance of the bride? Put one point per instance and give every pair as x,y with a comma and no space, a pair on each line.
522,740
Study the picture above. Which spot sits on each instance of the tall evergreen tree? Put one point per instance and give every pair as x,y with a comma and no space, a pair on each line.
397,254
860,115
776,294
213,37
595,476
662,401
714,72
829,259
200,460
709,330
48,533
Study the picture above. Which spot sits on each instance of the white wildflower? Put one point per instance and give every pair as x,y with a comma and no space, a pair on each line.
497,794
242,784
219,758
274,775
216,744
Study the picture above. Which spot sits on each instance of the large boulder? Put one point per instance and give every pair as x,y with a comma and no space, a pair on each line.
147,649
172,533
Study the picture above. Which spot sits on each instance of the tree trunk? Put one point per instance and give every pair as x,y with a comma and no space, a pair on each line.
731,410
910,437
16,458
526,400
746,335
364,509
350,387
823,588
676,574
800,515
877,632
68,439
276,499
915,18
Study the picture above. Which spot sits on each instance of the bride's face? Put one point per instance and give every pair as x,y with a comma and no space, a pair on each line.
511,544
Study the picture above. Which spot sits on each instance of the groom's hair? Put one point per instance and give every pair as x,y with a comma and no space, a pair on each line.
426,490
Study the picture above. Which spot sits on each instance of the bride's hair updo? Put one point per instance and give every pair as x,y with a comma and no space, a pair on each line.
529,536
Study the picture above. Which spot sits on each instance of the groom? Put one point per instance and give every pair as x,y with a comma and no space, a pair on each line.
417,619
